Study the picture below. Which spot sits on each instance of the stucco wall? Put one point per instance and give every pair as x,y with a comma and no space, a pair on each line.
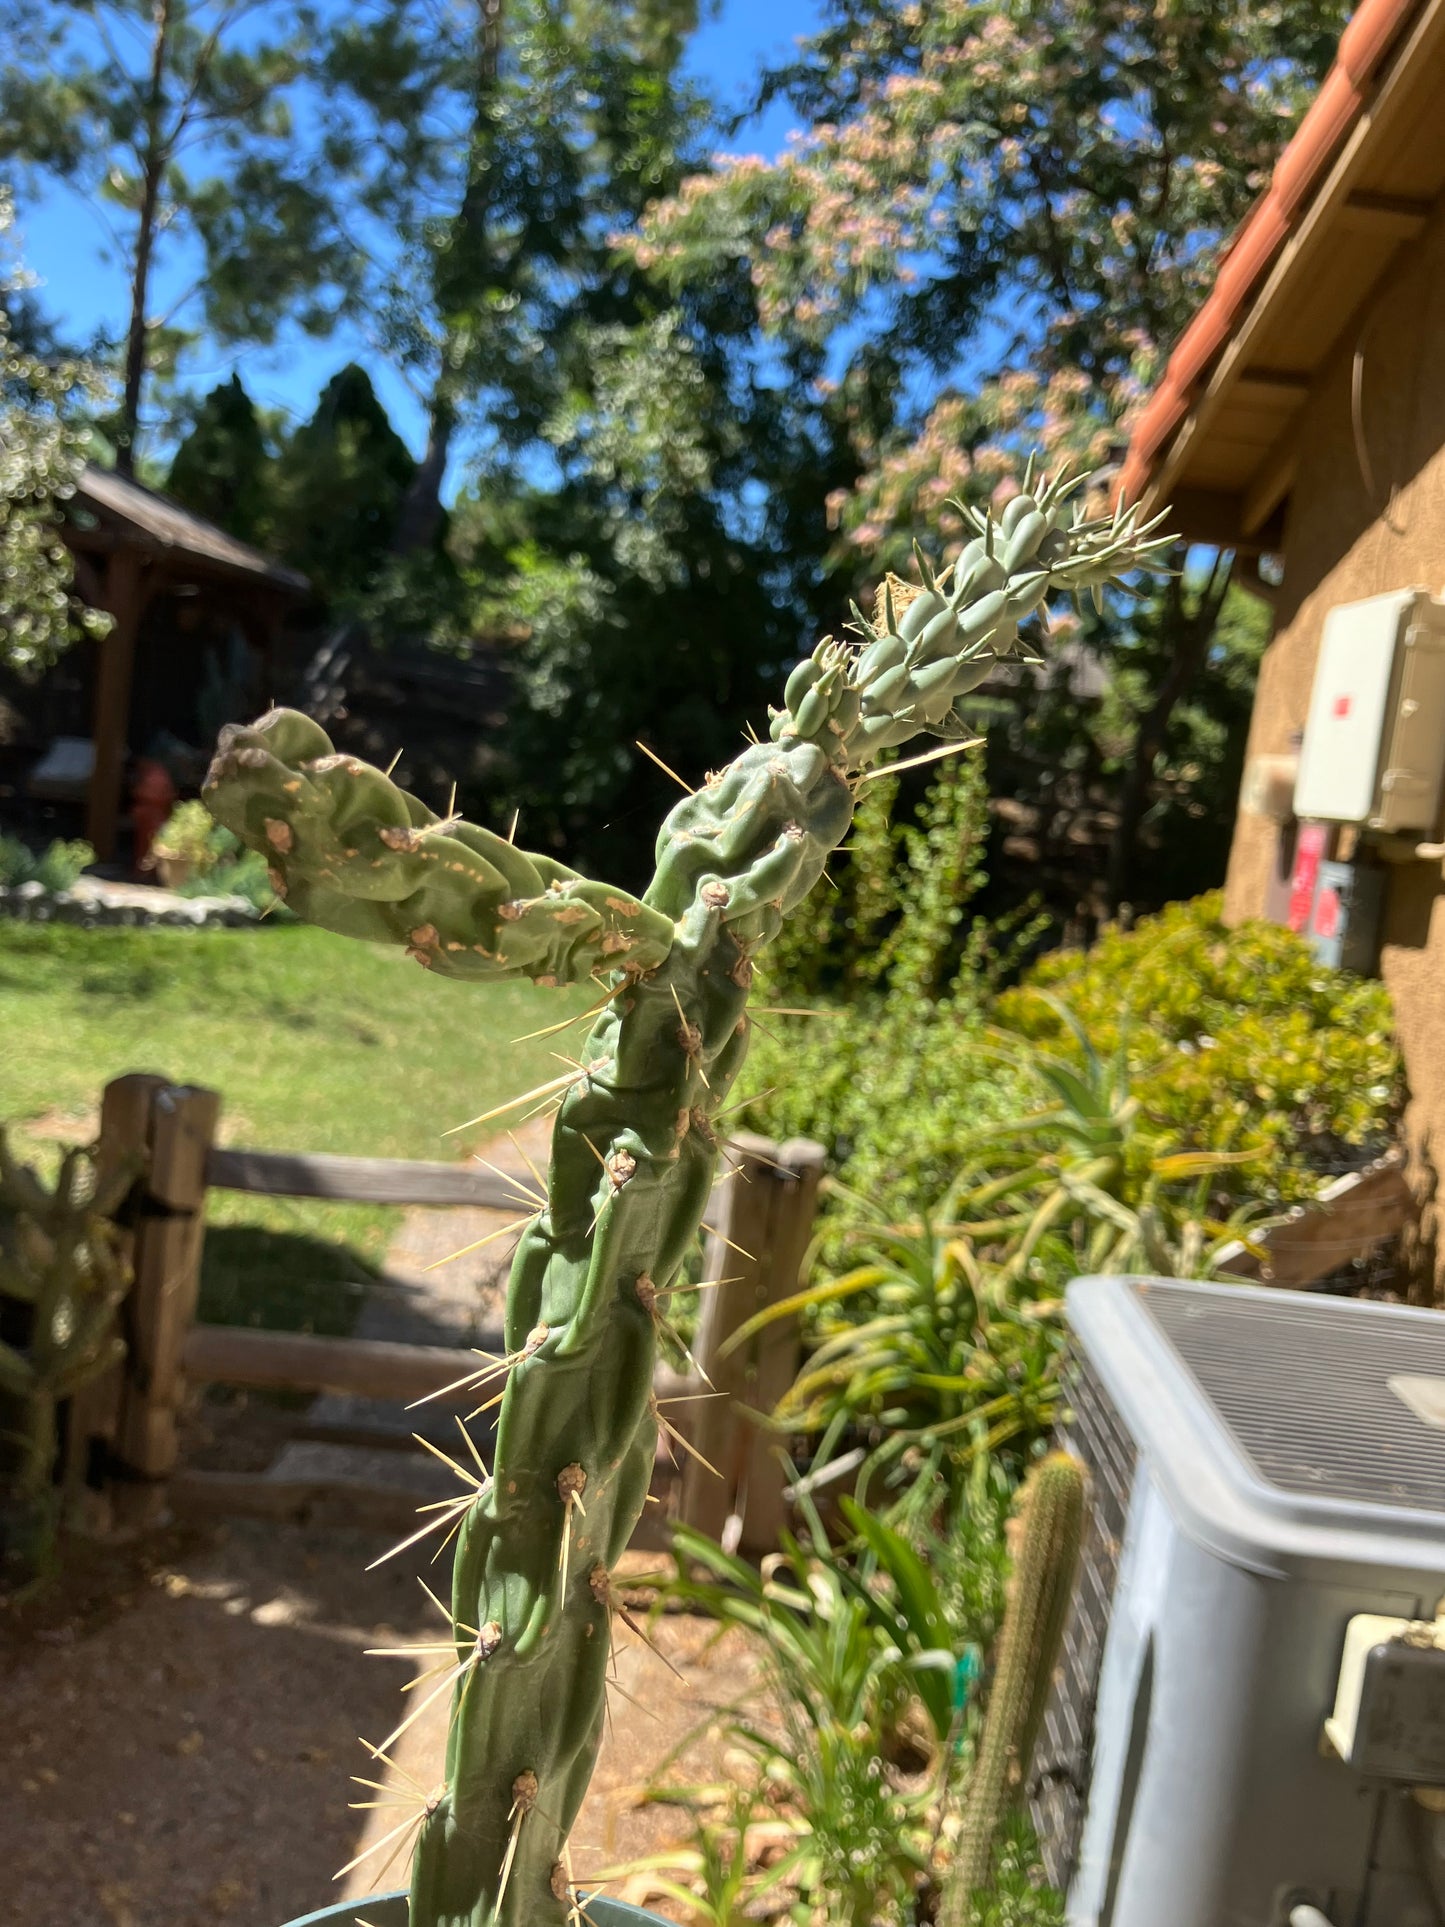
1344,541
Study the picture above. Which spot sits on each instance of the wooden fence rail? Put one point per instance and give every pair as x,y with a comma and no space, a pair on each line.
764,1208
760,1217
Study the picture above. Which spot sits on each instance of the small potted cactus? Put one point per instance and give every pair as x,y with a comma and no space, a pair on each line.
635,1142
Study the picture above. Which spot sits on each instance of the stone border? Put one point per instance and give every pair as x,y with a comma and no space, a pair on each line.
33,903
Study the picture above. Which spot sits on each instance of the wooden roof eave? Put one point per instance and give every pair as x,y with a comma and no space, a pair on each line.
1344,214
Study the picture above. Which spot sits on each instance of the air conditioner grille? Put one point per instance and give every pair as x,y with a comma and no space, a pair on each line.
1304,1390
1063,1760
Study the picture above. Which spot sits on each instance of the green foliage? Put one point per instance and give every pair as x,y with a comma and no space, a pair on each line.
342,1018
924,1346
710,1875
1236,1040
223,467
43,437
837,1681
190,835
57,866
972,162
895,1072
868,1649
217,865
1051,1530
1017,1895
242,875
634,1152
180,117
339,485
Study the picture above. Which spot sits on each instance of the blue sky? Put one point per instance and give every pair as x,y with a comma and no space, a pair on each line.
65,244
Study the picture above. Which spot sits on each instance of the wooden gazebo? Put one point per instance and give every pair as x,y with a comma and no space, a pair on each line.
159,571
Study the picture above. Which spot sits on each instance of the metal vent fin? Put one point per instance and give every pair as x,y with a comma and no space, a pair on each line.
1302,1387
1063,1760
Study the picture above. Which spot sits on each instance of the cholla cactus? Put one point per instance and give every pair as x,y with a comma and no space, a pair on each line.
1051,1522
634,1146
61,1271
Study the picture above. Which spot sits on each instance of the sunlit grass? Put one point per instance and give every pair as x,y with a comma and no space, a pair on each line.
315,1044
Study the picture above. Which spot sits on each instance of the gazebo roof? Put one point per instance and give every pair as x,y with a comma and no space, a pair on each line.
116,512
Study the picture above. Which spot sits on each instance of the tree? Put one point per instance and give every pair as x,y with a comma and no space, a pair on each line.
223,468
495,150
640,522
43,437
340,482
178,114
1009,213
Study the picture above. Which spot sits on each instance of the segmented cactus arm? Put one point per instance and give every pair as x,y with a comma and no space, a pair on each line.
916,662
635,1144
349,850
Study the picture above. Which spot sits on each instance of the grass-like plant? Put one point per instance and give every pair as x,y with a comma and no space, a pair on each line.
637,1132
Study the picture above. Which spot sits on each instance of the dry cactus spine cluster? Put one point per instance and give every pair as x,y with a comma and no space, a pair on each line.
635,1142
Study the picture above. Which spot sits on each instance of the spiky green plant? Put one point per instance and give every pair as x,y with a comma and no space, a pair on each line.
635,1143
61,1279
1052,1527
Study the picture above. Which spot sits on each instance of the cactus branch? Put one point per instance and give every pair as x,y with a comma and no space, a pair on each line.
635,1144
1052,1521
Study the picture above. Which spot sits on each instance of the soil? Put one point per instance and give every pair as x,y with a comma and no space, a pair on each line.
179,1716
180,1722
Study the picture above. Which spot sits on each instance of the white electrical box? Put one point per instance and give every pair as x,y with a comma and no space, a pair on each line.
1389,1716
1374,744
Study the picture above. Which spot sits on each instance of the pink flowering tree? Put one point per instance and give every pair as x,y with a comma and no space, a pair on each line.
993,224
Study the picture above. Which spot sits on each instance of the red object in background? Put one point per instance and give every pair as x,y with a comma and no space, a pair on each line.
152,798
1326,921
1308,855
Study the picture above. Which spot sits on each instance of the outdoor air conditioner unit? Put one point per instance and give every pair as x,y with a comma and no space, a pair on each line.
1266,1555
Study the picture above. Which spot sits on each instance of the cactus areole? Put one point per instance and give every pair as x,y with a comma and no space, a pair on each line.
634,1145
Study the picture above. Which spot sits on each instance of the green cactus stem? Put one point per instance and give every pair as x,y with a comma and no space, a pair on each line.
1051,1533
634,1145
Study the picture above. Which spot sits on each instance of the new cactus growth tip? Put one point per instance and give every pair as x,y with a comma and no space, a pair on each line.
634,1144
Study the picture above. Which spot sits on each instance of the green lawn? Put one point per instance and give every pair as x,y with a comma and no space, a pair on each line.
315,1044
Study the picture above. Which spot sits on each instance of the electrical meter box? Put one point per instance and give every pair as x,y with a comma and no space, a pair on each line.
1374,744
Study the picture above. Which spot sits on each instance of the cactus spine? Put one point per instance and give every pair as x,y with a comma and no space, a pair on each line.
634,1145
1052,1527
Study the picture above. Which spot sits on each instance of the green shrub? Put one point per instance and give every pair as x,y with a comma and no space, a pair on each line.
896,1068
1235,1039
56,867
245,876
189,835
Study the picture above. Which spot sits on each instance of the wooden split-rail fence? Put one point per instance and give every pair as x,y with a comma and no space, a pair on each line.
125,1433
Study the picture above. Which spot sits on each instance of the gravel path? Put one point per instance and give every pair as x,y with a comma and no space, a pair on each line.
179,1719
178,1728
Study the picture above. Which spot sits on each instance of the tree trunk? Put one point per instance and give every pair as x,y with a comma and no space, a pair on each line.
152,175
1194,631
421,511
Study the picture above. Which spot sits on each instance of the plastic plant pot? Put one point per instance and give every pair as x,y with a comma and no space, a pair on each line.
389,1910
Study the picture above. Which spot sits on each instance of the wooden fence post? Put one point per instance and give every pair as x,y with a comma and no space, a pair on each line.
760,1237
162,1303
93,1413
